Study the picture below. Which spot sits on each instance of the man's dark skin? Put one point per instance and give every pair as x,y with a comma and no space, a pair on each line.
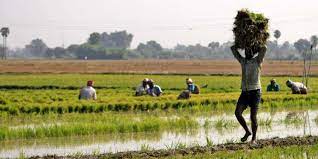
250,96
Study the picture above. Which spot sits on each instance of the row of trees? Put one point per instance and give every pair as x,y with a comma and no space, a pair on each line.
98,46
116,45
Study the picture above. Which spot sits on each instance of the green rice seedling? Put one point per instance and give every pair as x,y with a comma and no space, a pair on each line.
265,122
294,119
13,111
22,155
209,142
77,155
180,145
207,124
170,147
60,110
223,123
45,110
145,148
70,109
96,152
92,124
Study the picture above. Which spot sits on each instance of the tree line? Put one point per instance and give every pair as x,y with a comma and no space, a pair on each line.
116,45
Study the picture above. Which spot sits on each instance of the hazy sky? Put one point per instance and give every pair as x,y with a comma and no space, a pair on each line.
167,21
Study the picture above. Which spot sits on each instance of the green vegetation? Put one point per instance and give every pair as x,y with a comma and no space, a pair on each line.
46,105
294,119
265,122
291,152
89,124
43,94
225,124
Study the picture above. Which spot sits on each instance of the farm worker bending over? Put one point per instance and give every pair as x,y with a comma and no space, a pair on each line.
192,87
142,89
154,90
88,92
297,87
273,86
251,87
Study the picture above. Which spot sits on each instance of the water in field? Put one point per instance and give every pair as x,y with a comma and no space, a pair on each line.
219,129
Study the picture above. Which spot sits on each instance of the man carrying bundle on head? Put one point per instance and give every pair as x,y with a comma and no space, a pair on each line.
250,35
88,92
142,88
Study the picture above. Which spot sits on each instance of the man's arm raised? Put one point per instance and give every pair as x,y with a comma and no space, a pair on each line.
236,54
261,54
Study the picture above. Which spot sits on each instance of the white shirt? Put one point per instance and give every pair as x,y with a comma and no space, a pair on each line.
88,93
297,86
140,89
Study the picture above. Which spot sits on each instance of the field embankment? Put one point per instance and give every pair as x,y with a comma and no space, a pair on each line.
208,150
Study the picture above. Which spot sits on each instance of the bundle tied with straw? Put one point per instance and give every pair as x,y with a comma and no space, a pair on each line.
250,30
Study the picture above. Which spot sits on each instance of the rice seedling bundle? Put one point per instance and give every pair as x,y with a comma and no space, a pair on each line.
250,30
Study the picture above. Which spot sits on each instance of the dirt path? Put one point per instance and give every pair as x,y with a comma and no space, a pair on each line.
212,67
275,142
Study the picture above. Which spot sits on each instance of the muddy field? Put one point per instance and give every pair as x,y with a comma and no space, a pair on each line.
226,67
274,142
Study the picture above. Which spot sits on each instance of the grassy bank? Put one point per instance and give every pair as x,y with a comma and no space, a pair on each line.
289,152
289,147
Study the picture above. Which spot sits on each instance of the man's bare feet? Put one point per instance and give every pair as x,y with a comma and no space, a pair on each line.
253,142
245,137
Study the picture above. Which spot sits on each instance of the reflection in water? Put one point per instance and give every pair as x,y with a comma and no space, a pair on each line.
279,127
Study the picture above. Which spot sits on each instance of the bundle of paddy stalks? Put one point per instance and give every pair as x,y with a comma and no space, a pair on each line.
250,30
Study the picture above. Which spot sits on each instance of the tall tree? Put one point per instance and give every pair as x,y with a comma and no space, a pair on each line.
37,48
4,32
277,35
302,45
94,38
213,45
150,49
120,39
314,41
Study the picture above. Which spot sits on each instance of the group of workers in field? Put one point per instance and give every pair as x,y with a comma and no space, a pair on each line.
147,87
250,85
296,87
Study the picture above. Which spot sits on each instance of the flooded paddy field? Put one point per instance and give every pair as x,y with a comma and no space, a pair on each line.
40,115
215,129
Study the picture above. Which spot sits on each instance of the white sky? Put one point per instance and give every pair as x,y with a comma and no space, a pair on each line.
167,21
